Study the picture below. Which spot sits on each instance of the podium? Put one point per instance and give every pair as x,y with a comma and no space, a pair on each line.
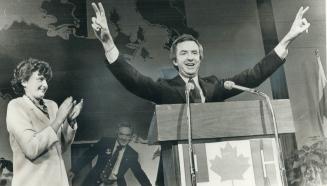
212,122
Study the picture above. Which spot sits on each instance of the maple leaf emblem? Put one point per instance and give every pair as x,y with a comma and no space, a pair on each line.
230,166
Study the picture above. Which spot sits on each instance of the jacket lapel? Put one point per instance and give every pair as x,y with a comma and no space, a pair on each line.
203,87
179,86
37,112
109,148
207,89
124,162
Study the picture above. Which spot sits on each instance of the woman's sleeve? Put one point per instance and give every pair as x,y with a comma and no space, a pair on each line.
33,143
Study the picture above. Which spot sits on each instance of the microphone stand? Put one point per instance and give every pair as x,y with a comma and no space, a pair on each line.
189,136
230,85
278,145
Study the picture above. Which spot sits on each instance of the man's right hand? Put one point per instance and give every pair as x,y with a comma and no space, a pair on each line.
100,26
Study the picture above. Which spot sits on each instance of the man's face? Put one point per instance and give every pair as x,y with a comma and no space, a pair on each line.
124,135
36,86
187,58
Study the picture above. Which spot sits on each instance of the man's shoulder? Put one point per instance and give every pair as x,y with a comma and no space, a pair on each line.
178,81
131,151
172,81
211,78
107,140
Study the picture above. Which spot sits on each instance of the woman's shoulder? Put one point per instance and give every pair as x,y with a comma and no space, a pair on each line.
50,103
16,101
18,104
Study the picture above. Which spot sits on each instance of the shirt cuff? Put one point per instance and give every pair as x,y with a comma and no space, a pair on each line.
74,126
69,132
112,54
281,51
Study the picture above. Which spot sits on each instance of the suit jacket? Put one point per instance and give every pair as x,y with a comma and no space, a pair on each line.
104,150
172,91
37,148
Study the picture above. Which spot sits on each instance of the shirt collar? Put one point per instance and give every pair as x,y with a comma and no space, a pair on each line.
185,79
197,84
117,144
196,80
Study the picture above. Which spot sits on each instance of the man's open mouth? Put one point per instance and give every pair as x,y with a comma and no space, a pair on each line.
190,64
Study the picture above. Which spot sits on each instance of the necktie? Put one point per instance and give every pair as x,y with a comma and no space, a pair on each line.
105,174
195,96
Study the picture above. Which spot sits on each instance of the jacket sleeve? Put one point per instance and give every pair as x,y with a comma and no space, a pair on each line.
135,82
87,156
33,143
67,135
139,173
255,76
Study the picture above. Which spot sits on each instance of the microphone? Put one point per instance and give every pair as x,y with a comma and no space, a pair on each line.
229,85
188,87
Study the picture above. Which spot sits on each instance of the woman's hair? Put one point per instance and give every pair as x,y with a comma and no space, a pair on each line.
24,71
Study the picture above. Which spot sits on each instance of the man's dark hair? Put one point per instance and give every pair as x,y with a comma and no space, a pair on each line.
24,71
182,38
125,124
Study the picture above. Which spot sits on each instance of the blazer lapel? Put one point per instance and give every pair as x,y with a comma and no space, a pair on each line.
179,85
124,162
109,148
207,89
37,112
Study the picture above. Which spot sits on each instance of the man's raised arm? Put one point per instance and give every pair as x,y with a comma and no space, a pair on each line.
300,24
101,31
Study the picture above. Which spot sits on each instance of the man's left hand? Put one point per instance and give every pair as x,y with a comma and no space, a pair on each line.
300,24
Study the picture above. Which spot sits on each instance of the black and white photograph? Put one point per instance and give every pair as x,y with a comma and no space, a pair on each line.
163,93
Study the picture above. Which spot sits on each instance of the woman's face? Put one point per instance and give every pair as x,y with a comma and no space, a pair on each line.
36,86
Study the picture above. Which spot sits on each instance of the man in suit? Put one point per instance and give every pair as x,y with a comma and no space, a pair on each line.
5,178
186,54
115,157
